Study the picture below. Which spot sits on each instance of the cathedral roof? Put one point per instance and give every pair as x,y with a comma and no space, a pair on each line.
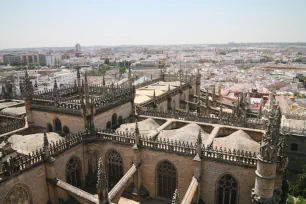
187,133
145,127
29,143
238,140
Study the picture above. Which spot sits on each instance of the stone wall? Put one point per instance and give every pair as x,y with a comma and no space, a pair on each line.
61,165
35,181
74,123
212,171
122,110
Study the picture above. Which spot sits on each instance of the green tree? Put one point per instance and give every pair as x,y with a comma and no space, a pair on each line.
299,188
106,61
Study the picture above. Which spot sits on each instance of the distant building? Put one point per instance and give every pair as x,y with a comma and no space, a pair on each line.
29,58
145,65
42,59
11,59
53,60
78,50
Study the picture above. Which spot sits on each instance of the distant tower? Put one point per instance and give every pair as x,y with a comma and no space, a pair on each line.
77,50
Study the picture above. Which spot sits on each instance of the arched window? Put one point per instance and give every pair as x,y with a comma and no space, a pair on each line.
114,120
227,190
114,167
294,147
108,125
18,194
57,125
49,127
166,179
66,130
73,172
120,120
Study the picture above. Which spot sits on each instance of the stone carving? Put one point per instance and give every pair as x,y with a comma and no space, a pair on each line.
18,194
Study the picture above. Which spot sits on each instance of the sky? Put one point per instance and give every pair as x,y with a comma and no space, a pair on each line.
63,23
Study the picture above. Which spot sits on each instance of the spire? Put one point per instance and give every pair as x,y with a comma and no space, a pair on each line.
55,85
46,142
221,112
86,90
28,92
137,136
176,197
46,146
154,96
169,89
78,75
102,186
199,147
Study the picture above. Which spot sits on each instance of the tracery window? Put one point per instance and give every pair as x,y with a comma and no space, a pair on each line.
166,180
108,125
115,168
227,190
57,125
18,194
73,172
66,130
49,127
114,120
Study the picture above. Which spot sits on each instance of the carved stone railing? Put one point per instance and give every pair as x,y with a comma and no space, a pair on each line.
227,119
100,102
13,122
149,82
21,163
286,130
295,116
239,157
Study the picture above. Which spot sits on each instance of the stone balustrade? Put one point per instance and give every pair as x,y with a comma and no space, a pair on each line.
221,154
227,119
14,122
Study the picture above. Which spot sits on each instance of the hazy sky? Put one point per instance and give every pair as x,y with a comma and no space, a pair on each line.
46,23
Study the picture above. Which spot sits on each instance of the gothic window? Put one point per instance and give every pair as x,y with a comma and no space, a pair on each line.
294,147
120,120
66,130
57,125
114,119
18,194
227,190
73,172
115,168
49,127
108,125
166,180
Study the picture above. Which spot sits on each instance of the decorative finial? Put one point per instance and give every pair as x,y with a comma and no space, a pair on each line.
102,186
176,197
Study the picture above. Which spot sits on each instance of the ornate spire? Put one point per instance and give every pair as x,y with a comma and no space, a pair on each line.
176,197
28,89
46,146
199,147
137,136
86,90
55,85
102,186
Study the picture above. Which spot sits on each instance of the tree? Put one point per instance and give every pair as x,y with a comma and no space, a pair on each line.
106,61
299,188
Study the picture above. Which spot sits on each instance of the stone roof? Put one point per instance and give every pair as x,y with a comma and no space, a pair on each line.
28,143
145,127
188,133
15,110
238,140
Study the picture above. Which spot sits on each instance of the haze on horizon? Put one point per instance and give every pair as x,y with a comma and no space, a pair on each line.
56,23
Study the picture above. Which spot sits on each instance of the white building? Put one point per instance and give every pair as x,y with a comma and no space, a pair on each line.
53,60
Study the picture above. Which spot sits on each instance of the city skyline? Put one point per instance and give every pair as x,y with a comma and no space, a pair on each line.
111,23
